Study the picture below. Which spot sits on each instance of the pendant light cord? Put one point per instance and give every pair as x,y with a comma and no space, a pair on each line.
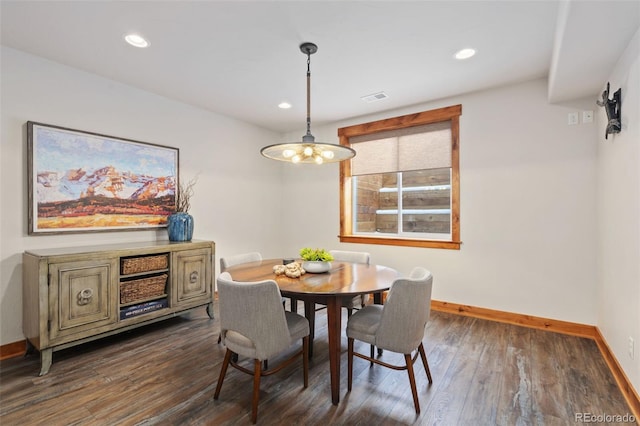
308,93
307,150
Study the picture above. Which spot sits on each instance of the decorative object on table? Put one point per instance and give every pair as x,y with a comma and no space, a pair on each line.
87,182
308,150
180,224
316,261
612,107
291,270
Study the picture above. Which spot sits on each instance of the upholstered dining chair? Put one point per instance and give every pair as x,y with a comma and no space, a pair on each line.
259,332
352,302
229,261
254,256
348,302
359,301
397,326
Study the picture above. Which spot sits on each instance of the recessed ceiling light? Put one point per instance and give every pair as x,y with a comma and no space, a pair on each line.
465,53
136,40
284,105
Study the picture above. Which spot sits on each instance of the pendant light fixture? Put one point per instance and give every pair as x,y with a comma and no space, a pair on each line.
308,150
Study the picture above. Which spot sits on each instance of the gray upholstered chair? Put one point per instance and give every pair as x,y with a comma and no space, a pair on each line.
359,301
352,302
255,326
397,326
348,302
254,256
227,262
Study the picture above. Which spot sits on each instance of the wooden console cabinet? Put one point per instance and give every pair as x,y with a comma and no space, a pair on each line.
75,295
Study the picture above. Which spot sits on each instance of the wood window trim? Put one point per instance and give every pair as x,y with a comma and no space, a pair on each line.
426,117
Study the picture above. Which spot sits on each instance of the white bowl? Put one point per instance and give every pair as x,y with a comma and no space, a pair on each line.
316,267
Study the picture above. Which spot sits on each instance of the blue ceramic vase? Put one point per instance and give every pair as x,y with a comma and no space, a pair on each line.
180,226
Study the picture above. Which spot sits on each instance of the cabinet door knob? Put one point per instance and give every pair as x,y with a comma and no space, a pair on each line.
193,277
84,297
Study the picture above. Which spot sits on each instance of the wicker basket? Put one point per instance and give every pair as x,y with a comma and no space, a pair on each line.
143,288
135,265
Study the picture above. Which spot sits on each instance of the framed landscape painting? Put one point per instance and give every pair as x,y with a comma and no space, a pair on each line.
87,182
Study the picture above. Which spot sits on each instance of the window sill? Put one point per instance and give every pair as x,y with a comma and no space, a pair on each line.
449,245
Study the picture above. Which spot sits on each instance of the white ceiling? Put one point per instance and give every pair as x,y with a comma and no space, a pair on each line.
241,58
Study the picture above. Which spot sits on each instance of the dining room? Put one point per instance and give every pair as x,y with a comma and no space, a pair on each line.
547,210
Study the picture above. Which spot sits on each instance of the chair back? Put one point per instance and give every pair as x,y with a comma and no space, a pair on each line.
406,312
229,261
254,310
351,256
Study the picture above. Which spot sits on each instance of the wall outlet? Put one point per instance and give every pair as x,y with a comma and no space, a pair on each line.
572,118
587,116
631,347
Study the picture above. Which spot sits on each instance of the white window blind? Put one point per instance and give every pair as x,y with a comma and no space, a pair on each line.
414,148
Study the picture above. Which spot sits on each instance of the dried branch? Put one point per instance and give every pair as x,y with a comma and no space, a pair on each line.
184,194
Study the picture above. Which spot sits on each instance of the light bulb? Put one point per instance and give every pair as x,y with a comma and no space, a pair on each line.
296,158
327,154
288,153
308,151
318,159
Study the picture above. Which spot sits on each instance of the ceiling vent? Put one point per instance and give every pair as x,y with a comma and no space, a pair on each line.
374,97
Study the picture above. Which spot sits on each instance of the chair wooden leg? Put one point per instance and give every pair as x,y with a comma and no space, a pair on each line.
223,372
424,362
372,355
265,364
305,360
350,358
257,373
412,382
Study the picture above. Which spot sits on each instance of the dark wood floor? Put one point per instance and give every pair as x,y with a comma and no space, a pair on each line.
484,373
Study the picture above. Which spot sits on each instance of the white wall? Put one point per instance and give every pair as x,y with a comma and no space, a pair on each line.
618,197
234,181
527,207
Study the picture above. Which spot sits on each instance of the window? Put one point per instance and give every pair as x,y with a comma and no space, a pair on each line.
403,185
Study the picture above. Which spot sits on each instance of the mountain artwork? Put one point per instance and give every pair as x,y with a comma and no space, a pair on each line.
88,182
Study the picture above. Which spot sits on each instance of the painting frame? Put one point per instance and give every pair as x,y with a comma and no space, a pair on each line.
82,182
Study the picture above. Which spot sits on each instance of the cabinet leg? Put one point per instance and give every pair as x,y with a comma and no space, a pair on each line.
46,357
210,310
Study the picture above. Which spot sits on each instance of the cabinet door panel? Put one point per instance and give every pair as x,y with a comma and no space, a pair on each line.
82,296
193,270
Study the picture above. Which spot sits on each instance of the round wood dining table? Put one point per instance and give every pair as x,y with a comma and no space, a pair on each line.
343,279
